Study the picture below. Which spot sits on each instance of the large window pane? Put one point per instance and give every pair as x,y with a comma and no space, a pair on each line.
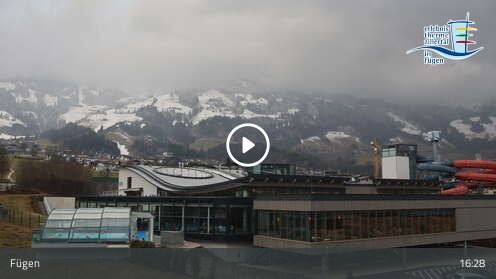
341,225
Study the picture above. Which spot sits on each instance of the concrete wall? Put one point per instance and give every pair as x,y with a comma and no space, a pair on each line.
343,205
395,167
51,203
475,219
374,243
137,182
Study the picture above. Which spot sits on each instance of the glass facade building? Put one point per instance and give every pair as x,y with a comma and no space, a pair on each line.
198,217
352,225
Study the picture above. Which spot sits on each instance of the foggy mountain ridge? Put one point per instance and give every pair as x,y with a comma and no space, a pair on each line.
328,129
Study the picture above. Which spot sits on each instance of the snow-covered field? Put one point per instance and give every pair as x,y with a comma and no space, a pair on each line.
163,103
107,119
8,86
5,136
122,149
312,139
293,110
76,113
30,98
170,102
250,99
489,129
8,120
407,127
337,136
213,103
50,101
248,114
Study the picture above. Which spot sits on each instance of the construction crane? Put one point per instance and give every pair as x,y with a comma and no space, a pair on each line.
376,151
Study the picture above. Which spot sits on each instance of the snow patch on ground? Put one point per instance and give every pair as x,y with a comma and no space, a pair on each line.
76,113
250,99
8,86
213,103
475,119
407,127
395,140
122,149
163,103
248,114
50,101
313,139
293,110
8,120
134,107
170,102
6,136
337,136
489,131
213,95
126,100
31,98
206,114
107,119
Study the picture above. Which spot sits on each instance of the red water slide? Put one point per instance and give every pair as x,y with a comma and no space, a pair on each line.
460,189
475,164
475,176
486,173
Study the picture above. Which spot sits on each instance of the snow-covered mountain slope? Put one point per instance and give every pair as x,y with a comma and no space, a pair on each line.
338,136
7,120
406,127
43,105
76,114
475,128
330,125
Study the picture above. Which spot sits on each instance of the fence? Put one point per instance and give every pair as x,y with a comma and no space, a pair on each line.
22,218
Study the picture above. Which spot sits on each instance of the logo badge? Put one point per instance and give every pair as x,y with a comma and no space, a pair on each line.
456,34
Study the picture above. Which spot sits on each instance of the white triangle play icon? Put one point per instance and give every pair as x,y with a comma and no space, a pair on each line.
246,145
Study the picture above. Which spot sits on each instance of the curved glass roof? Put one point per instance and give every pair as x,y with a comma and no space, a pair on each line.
109,224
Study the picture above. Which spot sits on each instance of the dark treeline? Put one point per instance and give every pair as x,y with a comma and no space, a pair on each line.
4,163
81,139
55,177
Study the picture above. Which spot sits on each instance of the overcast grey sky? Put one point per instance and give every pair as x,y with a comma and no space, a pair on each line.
336,47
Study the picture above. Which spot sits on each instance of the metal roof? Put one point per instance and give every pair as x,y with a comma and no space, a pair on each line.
187,179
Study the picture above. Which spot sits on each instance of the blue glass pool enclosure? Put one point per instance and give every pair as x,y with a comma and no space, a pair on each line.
99,225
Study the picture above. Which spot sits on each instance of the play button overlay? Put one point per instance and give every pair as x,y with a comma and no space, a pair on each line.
247,145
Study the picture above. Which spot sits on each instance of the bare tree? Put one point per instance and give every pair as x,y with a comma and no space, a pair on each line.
54,177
